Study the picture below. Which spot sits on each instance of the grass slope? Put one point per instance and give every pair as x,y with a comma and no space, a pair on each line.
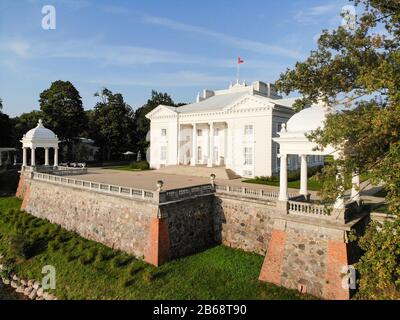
89,270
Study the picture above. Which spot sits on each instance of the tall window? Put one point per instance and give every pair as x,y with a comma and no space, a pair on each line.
248,156
248,130
163,132
199,132
163,153
216,132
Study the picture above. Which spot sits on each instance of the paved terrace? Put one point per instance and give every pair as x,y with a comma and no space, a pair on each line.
147,180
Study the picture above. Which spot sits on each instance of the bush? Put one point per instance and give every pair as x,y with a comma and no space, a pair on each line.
141,165
8,269
25,248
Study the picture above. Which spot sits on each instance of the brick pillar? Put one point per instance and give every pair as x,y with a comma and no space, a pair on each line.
20,189
158,247
337,258
26,196
271,269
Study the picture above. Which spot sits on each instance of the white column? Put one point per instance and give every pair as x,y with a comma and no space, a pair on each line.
33,157
46,156
211,145
303,176
283,184
56,157
355,189
24,157
194,145
339,203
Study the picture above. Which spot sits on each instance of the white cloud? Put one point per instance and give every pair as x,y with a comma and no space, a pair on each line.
314,14
19,47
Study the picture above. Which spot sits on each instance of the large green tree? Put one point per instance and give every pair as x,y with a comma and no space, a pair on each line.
142,124
63,112
358,66
6,129
111,124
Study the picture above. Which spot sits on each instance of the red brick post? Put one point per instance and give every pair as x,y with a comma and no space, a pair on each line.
158,247
271,269
337,258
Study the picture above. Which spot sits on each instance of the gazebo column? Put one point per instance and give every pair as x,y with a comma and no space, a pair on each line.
46,156
339,203
194,145
283,183
355,189
55,157
33,157
303,176
24,157
211,146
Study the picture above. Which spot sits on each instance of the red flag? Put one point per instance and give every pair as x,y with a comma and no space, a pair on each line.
240,61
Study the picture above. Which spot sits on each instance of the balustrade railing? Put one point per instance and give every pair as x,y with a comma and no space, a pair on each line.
249,192
308,209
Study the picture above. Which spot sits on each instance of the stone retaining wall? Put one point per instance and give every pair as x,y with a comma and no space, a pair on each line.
117,222
244,223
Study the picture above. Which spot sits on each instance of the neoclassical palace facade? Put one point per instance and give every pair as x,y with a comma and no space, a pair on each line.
232,128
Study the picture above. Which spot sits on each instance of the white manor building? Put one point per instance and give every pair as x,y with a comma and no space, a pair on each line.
232,128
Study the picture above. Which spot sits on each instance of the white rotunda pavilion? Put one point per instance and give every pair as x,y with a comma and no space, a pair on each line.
39,137
293,141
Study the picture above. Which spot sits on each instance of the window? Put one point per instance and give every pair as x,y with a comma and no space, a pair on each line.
163,153
199,132
216,132
163,132
279,127
248,130
248,156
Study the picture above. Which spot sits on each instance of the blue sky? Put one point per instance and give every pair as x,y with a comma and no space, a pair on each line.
132,47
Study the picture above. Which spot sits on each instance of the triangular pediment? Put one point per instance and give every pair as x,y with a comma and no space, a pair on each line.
250,102
161,111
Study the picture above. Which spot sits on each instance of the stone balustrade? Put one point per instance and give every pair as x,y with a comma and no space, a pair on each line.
185,193
249,192
308,209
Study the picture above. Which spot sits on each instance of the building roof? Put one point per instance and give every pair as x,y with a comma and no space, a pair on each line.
308,119
212,103
40,133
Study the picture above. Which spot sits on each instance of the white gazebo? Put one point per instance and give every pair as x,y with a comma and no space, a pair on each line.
293,141
39,137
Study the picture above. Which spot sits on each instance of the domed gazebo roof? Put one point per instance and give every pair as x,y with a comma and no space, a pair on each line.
308,119
293,136
40,137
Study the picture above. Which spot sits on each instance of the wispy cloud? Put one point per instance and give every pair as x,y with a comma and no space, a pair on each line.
96,51
314,14
166,80
222,38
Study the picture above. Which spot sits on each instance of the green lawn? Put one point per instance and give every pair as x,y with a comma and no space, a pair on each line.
312,184
88,270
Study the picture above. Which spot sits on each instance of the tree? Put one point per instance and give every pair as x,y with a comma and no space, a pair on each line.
111,124
25,122
357,66
62,108
142,124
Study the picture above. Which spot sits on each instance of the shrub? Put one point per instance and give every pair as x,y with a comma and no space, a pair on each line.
8,269
148,275
25,248
141,165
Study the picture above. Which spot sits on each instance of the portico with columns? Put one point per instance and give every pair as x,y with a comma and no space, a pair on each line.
293,140
39,138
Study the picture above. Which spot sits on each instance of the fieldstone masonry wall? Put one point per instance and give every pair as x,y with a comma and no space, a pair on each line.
300,252
114,221
244,223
